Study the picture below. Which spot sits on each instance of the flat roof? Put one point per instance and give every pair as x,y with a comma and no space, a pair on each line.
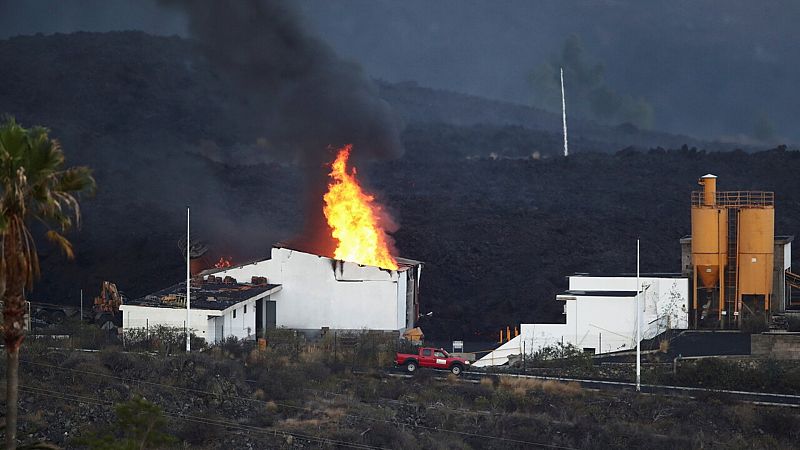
580,293
205,295
630,274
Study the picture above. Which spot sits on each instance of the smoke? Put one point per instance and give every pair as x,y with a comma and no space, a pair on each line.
309,100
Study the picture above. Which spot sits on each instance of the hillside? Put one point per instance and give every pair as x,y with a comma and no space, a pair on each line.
497,228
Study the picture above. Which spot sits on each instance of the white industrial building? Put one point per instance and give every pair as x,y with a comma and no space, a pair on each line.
291,289
601,316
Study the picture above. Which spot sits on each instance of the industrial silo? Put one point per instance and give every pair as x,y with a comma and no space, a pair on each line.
709,249
732,245
756,246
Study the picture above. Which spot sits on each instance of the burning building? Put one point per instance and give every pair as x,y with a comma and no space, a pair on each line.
291,289
361,286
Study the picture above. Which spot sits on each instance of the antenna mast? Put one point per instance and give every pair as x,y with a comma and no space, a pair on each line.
188,285
564,113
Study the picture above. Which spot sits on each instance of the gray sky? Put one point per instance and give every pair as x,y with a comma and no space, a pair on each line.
709,68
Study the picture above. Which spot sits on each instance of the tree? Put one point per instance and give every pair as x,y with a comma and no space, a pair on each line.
140,424
35,187
764,128
587,92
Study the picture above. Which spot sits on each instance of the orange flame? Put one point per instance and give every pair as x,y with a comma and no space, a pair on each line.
223,263
354,218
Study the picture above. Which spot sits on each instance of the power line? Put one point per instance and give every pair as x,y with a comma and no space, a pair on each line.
303,408
204,420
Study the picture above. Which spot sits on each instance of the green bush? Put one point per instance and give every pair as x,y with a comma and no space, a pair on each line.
140,424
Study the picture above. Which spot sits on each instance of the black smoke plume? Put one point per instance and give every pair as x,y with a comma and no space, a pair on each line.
310,100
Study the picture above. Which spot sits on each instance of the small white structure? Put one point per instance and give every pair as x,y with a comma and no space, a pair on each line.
311,293
218,310
601,316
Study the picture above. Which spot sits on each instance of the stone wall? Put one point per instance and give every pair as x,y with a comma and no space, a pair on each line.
775,345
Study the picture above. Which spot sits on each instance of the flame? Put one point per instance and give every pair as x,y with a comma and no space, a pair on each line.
353,217
223,262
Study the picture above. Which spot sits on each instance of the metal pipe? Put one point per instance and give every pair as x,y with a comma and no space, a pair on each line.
638,328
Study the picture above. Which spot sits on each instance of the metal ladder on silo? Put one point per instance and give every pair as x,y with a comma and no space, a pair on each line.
730,270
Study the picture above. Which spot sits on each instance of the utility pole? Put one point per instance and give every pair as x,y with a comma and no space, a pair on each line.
81,307
188,285
638,328
564,113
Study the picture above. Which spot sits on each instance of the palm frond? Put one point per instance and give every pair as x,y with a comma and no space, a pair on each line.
62,242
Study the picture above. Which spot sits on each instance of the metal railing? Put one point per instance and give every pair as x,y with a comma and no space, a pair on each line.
737,199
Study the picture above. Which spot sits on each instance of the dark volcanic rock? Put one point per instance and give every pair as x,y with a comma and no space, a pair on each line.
498,227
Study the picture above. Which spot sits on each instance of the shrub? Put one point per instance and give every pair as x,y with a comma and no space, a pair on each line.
140,424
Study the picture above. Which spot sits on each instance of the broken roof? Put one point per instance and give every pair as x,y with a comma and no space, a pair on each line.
402,263
205,295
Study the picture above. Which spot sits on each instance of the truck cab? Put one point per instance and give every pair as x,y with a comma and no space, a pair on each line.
436,358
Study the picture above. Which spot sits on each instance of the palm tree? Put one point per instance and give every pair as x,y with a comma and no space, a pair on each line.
34,185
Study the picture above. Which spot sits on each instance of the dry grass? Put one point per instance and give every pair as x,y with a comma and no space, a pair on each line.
663,346
520,386
272,406
570,389
335,413
293,422
487,383
523,386
312,353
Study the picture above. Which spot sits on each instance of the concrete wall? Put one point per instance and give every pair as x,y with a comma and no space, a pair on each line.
211,325
323,292
243,326
777,346
665,300
141,317
604,323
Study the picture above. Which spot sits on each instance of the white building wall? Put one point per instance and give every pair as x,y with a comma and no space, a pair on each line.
243,326
322,292
402,290
601,322
665,300
787,256
141,317
211,325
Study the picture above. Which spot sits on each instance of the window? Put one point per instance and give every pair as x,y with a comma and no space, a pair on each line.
426,352
245,309
234,313
439,354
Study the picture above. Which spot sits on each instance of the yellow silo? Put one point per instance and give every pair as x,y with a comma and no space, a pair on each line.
709,242
756,247
733,238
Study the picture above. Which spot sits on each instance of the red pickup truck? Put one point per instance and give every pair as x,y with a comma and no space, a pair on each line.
436,358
